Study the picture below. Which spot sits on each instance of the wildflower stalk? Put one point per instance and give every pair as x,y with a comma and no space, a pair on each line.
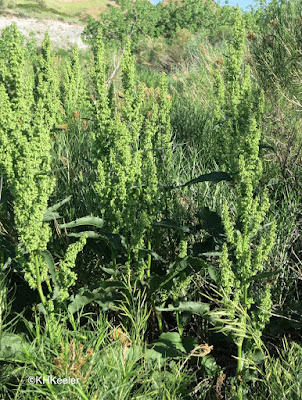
247,247
72,86
133,147
30,109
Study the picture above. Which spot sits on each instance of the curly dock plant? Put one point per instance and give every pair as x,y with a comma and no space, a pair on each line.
47,83
132,149
73,92
248,244
25,161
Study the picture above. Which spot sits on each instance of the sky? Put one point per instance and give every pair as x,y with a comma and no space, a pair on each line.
243,3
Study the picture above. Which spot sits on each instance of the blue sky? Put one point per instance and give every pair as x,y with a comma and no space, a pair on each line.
243,3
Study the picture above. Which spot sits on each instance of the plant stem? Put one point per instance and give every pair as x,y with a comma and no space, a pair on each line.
49,286
239,355
37,323
149,259
179,327
240,362
39,284
159,319
160,323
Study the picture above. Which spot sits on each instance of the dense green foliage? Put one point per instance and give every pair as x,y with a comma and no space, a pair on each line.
140,19
150,206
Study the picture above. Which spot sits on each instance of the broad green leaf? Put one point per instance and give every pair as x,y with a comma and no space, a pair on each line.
210,221
104,296
258,357
171,224
51,267
90,234
50,214
197,263
209,364
190,343
157,282
6,264
155,256
193,307
11,347
168,345
88,220
109,271
211,177
187,264
212,254
58,205
264,275
117,242
212,273
114,240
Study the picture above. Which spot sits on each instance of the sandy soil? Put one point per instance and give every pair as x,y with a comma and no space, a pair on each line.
62,34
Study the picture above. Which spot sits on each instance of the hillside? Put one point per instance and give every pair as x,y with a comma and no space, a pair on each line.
64,10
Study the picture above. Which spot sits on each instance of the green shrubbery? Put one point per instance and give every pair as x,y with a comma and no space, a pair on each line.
140,19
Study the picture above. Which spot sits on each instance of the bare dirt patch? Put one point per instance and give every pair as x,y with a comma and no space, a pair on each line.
62,34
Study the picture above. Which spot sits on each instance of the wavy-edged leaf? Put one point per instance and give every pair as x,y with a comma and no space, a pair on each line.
117,242
50,214
212,273
11,347
157,282
196,263
210,221
84,221
154,255
89,234
6,264
51,268
171,224
188,265
109,271
214,177
105,295
264,275
212,254
113,240
55,207
168,345
192,307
